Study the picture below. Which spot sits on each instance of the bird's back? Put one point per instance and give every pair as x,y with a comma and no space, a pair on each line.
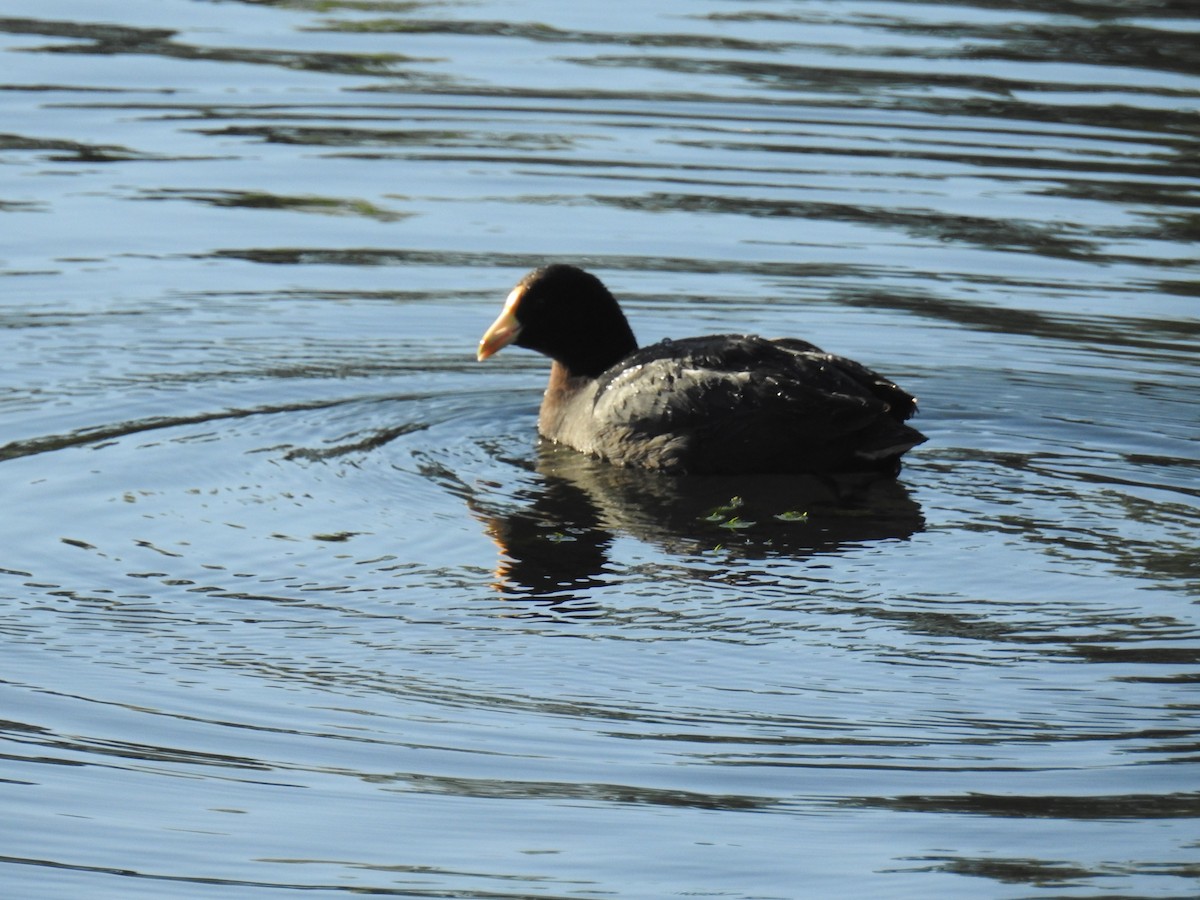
740,403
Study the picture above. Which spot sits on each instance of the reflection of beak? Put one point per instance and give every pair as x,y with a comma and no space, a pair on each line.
495,531
503,331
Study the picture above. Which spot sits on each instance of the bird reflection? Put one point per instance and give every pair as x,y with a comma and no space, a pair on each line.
555,547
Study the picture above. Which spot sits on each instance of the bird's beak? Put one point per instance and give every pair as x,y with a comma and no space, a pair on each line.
503,331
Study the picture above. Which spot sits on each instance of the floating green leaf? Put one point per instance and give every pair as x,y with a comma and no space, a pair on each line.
792,515
737,523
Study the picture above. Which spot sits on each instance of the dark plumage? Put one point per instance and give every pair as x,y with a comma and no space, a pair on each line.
725,403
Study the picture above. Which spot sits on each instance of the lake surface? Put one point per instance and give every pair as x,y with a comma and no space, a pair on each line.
293,603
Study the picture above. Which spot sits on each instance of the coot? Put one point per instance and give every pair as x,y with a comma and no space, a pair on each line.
722,404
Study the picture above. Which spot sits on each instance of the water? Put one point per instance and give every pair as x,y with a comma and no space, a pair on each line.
291,601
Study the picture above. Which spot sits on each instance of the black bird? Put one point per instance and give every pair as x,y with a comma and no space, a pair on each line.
722,404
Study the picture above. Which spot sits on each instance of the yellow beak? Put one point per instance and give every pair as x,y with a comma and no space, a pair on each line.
503,331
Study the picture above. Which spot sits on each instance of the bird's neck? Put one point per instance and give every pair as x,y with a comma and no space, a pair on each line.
588,359
556,402
562,381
